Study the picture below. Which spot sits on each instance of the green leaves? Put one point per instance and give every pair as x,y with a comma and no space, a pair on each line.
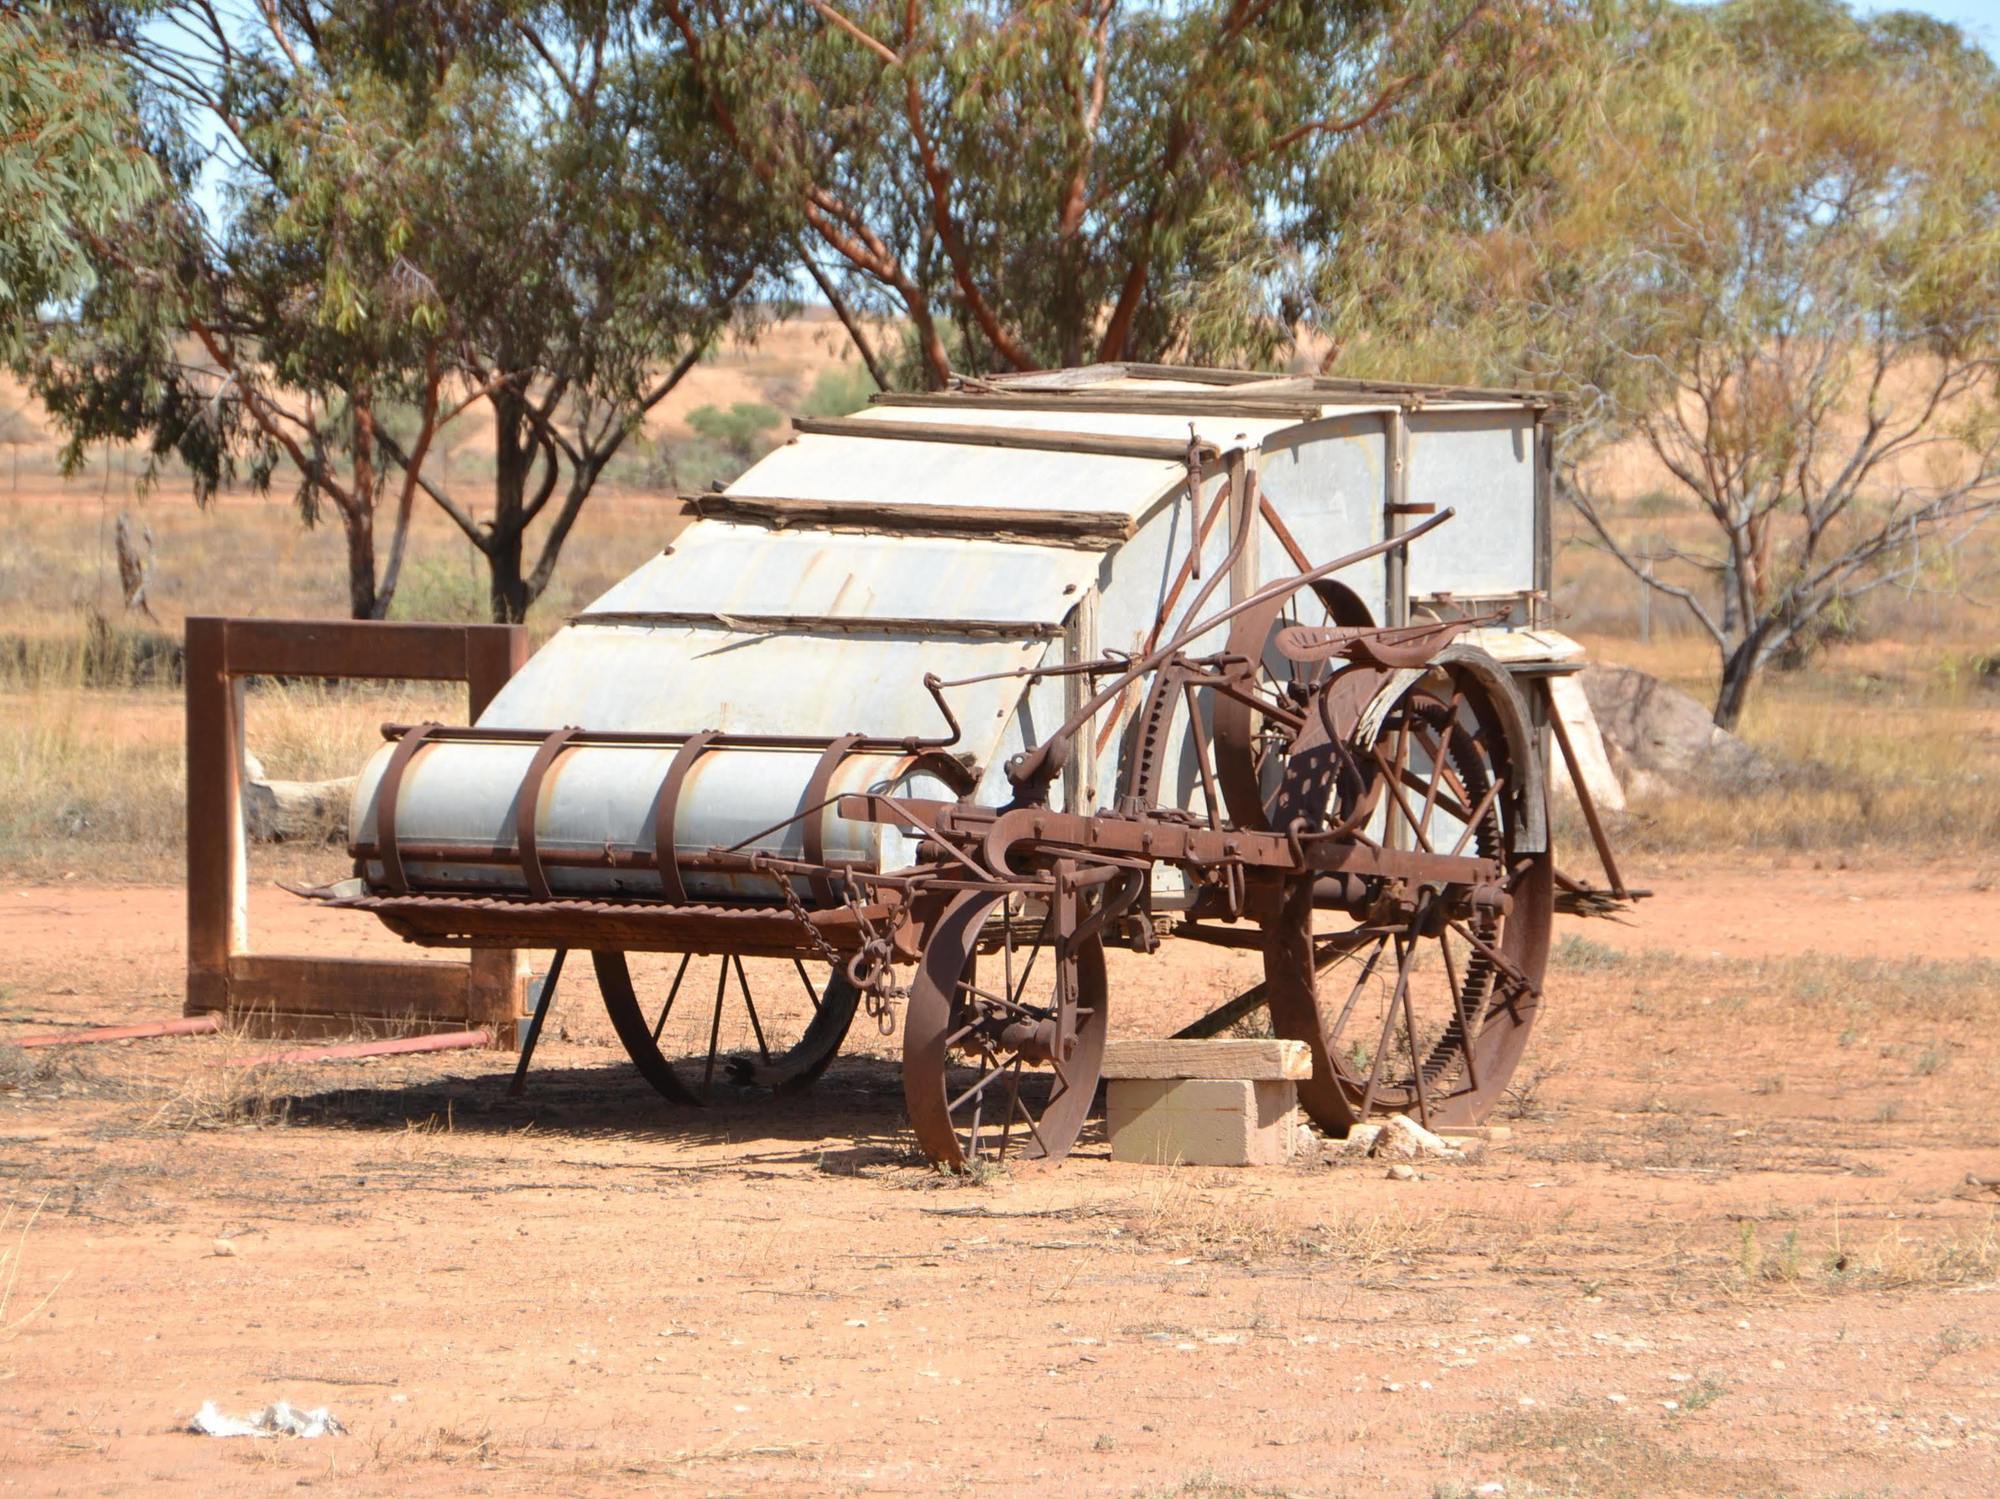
71,166
1039,182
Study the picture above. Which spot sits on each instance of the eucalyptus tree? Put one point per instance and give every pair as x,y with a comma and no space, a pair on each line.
260,310
604,236
424,210
1771,264
1036,182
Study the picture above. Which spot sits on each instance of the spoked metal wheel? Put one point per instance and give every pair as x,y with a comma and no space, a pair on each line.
714,1030
1422,1002
1002,1053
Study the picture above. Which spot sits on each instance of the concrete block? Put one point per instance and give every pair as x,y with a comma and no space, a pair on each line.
1202,1121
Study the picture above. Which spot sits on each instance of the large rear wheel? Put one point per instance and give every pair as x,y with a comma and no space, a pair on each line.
1422,1001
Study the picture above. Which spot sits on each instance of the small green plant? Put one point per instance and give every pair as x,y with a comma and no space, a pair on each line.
741,430
1703,1395
1581,954
447,590
1754,1262
839,390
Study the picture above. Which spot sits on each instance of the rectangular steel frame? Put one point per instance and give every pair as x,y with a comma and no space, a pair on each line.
292,994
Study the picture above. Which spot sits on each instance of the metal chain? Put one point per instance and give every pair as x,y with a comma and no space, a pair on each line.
799,914
875,978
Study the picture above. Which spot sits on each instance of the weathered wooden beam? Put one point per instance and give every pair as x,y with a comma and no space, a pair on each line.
288,984
1285,407
885,518
824,624
1098,444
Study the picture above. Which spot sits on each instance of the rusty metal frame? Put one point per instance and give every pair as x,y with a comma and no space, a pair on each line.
294,993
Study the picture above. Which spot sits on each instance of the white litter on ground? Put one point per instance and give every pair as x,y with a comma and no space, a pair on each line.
278,1420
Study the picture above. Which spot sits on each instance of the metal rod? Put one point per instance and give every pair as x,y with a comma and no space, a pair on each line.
715,1025
1583,796
1048,756
743,983
672,994
543,1004
455,734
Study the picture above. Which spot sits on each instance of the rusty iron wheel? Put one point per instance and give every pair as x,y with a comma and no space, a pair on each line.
1421,1003
723,1035
984,1076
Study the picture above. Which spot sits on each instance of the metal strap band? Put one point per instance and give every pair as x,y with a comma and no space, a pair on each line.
386,795
528,805
814,839
666,855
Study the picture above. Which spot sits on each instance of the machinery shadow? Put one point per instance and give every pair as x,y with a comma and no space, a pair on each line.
851,1118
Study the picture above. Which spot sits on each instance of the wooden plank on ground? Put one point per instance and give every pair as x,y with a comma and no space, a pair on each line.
1227,1060
362,987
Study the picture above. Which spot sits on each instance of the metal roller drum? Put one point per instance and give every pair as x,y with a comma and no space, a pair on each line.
458,809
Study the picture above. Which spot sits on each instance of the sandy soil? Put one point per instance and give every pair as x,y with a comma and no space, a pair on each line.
1728,1248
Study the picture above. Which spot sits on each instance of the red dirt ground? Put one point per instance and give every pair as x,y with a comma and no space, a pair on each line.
1733,1199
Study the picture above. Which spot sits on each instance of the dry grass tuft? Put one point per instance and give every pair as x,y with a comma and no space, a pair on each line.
11,1257
95,780
55,1072
219,1091
1896,1260
1573,1450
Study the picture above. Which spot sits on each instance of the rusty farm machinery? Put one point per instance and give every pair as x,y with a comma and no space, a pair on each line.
940,701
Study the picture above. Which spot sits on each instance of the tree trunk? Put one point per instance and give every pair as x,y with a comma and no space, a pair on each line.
1739,670
513,457
359,523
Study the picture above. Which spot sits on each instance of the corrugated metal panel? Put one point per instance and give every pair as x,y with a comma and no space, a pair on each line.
674,679
738,570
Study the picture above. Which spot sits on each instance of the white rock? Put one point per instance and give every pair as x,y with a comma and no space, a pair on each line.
1402,1136
1402,1171
1361,1139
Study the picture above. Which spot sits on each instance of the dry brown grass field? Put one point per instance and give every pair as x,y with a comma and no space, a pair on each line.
1728,1248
